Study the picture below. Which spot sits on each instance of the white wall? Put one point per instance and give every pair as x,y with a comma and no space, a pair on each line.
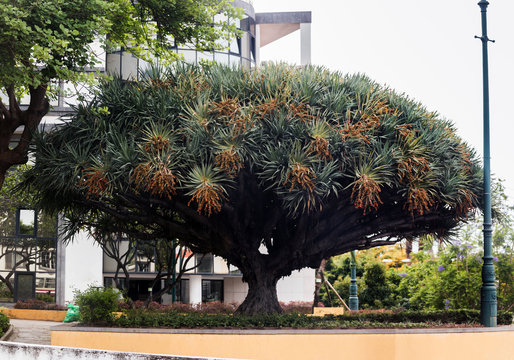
195,289
234,290
83,265
299,286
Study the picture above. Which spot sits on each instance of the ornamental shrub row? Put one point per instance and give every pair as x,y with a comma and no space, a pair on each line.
212,307
406,319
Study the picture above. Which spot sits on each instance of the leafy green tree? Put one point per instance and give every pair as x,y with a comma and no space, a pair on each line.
377,286
376,291
49,40
302,162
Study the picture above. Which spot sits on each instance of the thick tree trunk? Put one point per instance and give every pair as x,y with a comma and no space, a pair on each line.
262,293
261,299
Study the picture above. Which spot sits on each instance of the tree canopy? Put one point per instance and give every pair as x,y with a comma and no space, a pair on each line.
273,169
49,40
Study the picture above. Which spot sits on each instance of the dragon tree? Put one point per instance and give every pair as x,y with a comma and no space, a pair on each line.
273,169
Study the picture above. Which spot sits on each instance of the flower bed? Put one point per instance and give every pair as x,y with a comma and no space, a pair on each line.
213,307
35,304
404,319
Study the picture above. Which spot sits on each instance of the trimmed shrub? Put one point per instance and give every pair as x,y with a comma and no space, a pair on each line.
97,305
213,307
4,324
505,318
406,319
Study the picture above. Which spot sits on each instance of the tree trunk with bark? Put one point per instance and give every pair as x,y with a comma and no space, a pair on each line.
11,118
262,295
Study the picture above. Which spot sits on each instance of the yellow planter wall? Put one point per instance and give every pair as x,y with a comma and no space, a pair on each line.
303,345
27,314
322,311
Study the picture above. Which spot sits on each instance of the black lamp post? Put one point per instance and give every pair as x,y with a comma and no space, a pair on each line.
488,303
353,300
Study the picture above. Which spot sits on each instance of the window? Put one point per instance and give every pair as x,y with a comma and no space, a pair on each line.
47,259
205,263
142,266
26,222
28,241
212,290
109,282
182,291
9,260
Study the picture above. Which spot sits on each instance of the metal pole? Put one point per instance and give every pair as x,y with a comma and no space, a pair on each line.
488,303
353,299
174,276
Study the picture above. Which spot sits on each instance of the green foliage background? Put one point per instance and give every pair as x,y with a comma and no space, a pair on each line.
449,280
51,39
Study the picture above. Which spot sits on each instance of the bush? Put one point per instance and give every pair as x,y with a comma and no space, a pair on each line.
505,318
361,319
212,307
4,324
97,305
49,299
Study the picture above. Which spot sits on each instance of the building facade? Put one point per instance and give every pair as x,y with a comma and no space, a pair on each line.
58,269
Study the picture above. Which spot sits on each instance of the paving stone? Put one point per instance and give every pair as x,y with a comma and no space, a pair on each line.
32,331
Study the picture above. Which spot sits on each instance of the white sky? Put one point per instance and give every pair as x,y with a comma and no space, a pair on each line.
423,48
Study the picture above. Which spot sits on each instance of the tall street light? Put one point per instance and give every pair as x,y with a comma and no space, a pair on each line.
353,300
488,303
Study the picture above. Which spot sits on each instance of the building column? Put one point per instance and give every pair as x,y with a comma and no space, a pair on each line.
305,44
195,289
60,264
257,44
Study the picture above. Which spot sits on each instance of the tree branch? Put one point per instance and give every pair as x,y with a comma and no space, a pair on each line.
13,103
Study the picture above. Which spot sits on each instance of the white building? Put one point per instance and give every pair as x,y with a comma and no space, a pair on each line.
81,262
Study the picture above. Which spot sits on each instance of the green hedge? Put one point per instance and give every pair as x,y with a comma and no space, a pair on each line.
4,324
438,316
407,319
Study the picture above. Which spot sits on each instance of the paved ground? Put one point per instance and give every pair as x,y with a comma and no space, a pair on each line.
31,331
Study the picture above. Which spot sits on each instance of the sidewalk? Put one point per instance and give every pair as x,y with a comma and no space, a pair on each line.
31,331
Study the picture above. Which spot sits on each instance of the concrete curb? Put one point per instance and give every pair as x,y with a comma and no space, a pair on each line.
22,351
8,333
